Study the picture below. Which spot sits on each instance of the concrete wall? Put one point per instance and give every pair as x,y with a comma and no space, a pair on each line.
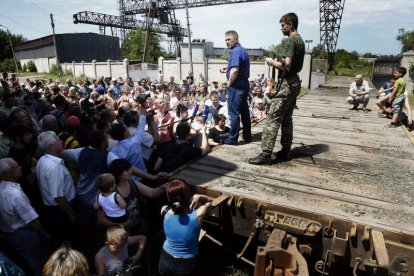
370,60
211,69
383,70
407,61
43,65
202,50
317,79
113,69
143,70
198,52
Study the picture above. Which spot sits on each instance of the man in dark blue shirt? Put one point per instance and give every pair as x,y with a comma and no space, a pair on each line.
238,73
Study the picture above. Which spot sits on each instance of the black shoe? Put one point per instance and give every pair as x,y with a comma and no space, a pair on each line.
263,158
228,142
282,155
243,142
354,108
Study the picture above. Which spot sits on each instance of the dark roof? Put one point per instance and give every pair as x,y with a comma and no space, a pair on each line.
46,40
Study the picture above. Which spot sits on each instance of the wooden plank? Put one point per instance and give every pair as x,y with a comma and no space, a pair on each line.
380,249
338,166
303,187
298,199
409,135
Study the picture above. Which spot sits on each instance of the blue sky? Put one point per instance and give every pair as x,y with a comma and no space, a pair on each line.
367,25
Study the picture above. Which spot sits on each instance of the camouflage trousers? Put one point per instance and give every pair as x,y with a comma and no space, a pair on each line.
280,116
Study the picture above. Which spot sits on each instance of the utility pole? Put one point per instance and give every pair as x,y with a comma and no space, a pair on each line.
144,53
54,43
11,46
308,42
190,51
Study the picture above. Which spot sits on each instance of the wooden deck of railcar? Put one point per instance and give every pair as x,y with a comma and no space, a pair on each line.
346,164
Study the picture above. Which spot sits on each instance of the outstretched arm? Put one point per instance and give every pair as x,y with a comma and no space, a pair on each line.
150,192
394,91
121,202
204,141
141,241
99,264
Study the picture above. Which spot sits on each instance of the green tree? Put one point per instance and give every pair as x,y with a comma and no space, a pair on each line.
31,66
276,48
411,71
5,49
134,46
407,40
348,64
318,51
7,65
223,57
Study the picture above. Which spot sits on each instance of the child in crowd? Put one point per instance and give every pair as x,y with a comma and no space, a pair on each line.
383,96
397,98
182,115
110,201
163,120
219,133
66,261
114,255
214,106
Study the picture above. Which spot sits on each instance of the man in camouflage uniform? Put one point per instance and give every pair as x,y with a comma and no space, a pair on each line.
284,100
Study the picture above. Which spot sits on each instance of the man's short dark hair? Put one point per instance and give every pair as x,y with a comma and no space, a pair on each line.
12,115
117,167
122,110
97,138
214,93
17,130
290,18
218,118
117,131
402,71
59,100
232,32
130,118
56,90
181,109
183,130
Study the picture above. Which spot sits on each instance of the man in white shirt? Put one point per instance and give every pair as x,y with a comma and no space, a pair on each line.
56,188
19,222
359,93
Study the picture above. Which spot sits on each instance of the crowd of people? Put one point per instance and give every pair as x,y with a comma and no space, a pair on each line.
86,163
97,152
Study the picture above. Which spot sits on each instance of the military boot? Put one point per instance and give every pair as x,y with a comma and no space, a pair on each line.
263,158
282,155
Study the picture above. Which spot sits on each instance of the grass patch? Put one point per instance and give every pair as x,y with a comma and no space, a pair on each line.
350,72
46,76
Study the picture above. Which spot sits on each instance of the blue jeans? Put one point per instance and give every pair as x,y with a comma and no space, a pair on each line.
238,107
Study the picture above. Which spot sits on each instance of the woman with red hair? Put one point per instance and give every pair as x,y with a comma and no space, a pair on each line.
182,225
